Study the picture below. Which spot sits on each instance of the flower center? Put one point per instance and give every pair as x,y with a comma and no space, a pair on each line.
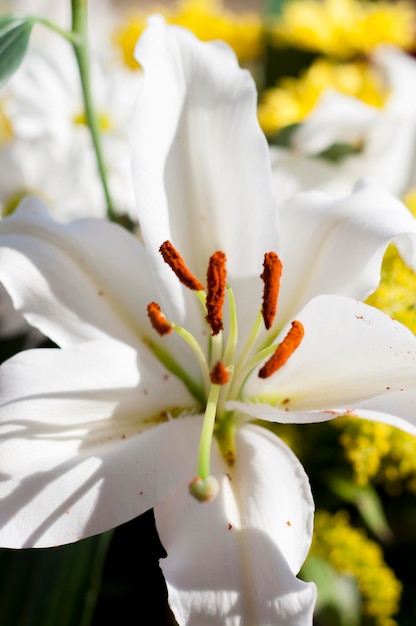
224,371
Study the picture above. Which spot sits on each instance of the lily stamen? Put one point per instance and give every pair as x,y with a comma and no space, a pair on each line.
220,374
272,272
163,326
159,322
175,261
284,350
216,284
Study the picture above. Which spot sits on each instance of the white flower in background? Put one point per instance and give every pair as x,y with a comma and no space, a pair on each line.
387,136
43,106
108,426
66,181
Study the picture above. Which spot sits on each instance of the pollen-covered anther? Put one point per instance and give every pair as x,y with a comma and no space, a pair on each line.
158,320
216,284
284,350
272,272
172,257
220,374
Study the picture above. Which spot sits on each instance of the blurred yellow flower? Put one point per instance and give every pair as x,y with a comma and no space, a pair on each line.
104,121
410,201
349,551
344,28
208,19
378,452
293,99
396,294
6,131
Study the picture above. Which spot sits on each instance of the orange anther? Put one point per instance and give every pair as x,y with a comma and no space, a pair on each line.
216,284
219,375
272,271
158,320
284,350
172,257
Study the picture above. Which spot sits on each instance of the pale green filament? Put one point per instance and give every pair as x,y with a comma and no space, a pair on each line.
241,367
244,371
230,348
216,348
250,340
204,453
173,366
202,297
199,353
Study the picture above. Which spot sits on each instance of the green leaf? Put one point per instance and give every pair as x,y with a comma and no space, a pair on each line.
52,586
283,137
14,39
339,601
368,503
338,152
274,7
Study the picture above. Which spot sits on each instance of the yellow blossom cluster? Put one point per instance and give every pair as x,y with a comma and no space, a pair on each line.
377,451
396,293
344,29
208,19
293,99
380,453
349,552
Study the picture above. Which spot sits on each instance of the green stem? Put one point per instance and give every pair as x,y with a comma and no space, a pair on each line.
73,38
80,30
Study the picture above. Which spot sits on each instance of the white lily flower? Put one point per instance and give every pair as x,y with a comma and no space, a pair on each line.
96,433
44,108
387,137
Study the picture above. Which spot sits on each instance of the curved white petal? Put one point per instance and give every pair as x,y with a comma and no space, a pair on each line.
388,135
336,118
201,172
87,442
350,353
337,246
75,282
293,173
233,561
400,69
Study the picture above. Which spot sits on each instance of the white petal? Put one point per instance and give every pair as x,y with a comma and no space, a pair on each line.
86,441
337,247
201,172
400,69
232,561
351,352
336,118
79,281
388,135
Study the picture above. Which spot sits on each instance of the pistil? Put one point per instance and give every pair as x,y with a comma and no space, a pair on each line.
204,486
